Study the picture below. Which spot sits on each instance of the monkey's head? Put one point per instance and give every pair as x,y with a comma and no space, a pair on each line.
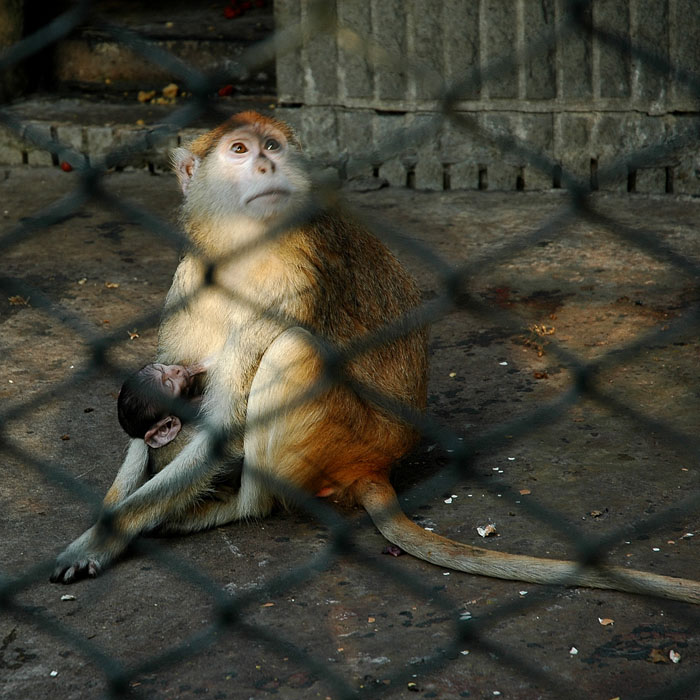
249,167
148,400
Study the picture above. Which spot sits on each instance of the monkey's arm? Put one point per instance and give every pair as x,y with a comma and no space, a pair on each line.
131,475
168,493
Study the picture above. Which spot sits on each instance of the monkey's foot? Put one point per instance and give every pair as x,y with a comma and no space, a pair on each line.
79,560
81,569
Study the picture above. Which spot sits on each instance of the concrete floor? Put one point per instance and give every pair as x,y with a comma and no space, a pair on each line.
382,626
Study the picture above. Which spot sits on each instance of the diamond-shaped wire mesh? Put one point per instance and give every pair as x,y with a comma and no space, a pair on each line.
588,375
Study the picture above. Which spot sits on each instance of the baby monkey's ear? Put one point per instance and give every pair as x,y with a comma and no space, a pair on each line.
163,432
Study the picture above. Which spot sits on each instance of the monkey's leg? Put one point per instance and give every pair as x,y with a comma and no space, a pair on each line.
131,475
169,492
304,432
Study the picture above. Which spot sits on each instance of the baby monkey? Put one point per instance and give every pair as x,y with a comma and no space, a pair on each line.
154,402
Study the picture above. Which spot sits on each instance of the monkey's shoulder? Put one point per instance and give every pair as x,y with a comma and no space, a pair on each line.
354,263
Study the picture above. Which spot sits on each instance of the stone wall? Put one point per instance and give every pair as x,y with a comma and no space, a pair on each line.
626,99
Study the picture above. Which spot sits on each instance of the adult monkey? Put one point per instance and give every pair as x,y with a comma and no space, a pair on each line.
268,311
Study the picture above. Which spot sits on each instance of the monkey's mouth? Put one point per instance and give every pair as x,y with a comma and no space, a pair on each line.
268,193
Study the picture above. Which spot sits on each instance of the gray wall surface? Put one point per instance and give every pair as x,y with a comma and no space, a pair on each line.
620,93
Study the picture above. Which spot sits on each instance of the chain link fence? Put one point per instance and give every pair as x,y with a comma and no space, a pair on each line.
461,452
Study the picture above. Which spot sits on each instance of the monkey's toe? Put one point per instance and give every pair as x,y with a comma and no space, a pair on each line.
75,572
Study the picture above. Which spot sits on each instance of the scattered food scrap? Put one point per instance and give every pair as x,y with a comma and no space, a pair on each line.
170,91
145,95
524,492
487,530
606,621
657,656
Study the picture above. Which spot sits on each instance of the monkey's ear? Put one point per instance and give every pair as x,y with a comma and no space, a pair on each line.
163,432
185,163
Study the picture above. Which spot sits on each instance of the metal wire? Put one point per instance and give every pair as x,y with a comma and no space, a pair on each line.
456,293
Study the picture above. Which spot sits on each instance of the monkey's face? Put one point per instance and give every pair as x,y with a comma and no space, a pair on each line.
174,380
253,171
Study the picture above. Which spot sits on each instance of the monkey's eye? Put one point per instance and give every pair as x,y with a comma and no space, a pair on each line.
272,145
239,147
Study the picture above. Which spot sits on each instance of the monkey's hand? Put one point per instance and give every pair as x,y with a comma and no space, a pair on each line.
85,557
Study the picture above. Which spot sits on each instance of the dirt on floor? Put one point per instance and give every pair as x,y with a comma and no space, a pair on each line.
542,293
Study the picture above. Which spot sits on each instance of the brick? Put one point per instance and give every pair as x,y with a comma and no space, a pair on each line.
615,60
389,32
575,51
686,50
320,60
355,140
686,175
462,47
464,175
501,127
427,24
572,138
358,167
501,39
72,136
290,73
394,172
132,146
100,140
356,76
457,143
652,31
11,148
36,155
540,72
501,175
429,172
650,180
537,131
318,131
388,136
578,167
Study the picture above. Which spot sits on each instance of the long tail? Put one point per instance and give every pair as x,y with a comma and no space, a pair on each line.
379,500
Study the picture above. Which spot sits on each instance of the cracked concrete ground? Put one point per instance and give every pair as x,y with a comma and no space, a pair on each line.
384,626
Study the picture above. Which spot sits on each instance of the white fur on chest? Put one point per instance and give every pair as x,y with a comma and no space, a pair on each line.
249,282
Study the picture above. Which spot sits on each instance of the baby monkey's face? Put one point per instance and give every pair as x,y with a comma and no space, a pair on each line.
176,380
